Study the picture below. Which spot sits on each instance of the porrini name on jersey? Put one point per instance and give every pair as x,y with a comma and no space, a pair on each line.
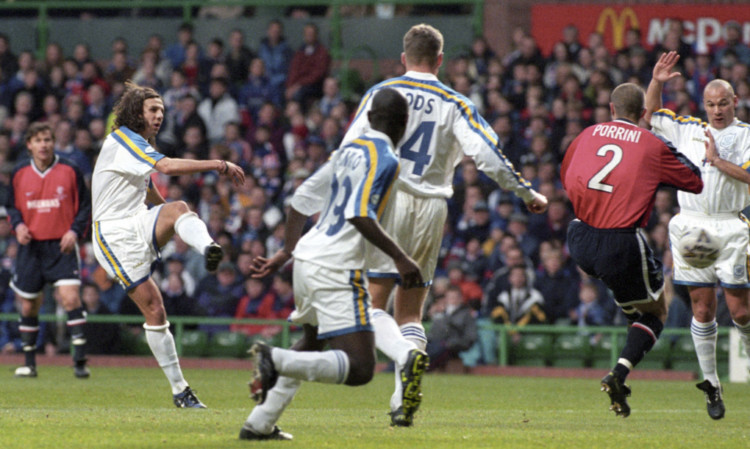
617,133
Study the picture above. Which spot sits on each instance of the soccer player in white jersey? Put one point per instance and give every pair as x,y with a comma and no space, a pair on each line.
726,175
127,234
330,288
443,127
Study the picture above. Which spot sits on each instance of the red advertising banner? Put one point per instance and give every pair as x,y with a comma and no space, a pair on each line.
704,25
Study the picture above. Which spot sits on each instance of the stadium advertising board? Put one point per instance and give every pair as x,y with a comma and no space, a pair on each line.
704,25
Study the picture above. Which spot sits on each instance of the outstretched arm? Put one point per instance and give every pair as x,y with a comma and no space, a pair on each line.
661,74
407,268
175,167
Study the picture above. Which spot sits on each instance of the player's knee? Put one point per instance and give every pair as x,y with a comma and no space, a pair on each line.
361,370
742,315
652,322
181,207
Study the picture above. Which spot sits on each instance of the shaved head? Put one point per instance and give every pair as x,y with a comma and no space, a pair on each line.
628,101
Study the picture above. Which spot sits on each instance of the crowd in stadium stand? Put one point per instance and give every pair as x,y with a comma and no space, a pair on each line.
278,112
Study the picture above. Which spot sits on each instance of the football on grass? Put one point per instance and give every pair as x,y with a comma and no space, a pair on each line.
698,247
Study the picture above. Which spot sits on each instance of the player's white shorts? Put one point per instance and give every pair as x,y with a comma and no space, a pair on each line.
127,247
336,301
416,224
730,269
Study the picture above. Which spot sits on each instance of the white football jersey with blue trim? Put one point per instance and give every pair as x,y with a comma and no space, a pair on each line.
443,127
122,175
357,183
721,193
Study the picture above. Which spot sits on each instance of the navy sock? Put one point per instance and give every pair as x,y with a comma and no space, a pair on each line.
642,336
29,327
76,322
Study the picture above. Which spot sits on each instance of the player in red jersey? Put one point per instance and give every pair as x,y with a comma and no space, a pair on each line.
49,208
611,172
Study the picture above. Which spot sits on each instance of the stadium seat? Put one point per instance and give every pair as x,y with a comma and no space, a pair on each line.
134,344
532,350
683,356
228,344
194,343
601,351
571,350
659,356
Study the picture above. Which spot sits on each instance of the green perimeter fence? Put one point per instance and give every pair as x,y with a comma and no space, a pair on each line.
536,345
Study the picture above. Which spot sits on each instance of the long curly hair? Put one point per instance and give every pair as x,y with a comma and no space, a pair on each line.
129,108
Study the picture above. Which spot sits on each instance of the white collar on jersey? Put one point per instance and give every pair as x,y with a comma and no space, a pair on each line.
421,75
47,170
624,120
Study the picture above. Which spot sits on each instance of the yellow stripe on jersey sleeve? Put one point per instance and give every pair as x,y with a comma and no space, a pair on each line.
387,196
134,148
365,199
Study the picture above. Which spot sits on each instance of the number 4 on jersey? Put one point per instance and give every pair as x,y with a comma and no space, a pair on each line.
420,157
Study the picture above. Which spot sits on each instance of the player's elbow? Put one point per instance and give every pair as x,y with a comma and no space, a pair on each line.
166,166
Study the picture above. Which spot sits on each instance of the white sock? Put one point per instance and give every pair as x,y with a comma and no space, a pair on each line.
192,230
704,340
388,337
264,416
161,342
744,335
331,367
415,334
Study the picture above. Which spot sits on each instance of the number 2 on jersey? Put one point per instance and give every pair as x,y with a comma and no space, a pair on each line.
595,182
420,157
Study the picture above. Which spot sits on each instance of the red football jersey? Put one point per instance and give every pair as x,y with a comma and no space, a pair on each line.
612,170
50,203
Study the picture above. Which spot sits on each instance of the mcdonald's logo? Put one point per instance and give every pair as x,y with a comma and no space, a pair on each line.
618,24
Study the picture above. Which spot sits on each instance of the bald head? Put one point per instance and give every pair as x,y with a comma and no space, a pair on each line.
627,102
720,102
389,113
719,85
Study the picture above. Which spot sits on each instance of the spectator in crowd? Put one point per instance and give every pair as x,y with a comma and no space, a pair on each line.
8,60
308,69
733,45
101,338
218,295
558,286
218,109
453,329
260,303
519,304
256,89
175,53
238,57
276,56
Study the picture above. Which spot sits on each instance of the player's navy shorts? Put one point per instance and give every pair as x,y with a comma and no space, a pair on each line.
619,257
40,262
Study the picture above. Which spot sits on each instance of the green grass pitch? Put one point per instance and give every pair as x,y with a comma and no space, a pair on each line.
131,408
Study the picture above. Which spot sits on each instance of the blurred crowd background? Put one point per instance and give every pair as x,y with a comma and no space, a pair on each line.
279,112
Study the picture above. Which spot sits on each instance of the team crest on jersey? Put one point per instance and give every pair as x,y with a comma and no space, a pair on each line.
739,271
375,199
725,144
61,193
